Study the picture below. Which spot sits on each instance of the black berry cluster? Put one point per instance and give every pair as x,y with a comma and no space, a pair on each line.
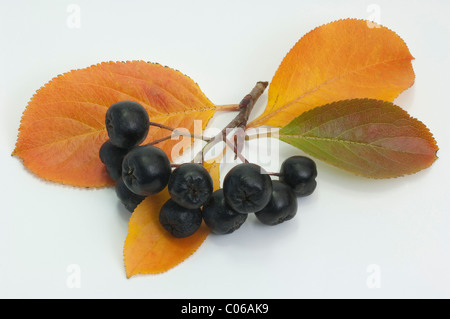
138,170
144,170
247,188
190,186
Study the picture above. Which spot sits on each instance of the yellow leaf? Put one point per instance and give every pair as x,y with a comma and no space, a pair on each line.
149,248
345,59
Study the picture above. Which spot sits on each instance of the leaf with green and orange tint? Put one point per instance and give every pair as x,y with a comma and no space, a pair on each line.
341,60
367,137
63,125
149,248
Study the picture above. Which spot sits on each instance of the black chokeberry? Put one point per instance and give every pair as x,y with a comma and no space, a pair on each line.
247,188
112,156
127,124
190,185
129,199
299,172
146,170
178,220
219,216
282,206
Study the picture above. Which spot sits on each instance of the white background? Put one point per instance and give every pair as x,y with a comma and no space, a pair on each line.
350,223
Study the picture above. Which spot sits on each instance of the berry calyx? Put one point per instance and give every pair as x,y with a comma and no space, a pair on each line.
190,185
299,172
219,216
112,156
281,207
180,221
247,188
127,124
146,170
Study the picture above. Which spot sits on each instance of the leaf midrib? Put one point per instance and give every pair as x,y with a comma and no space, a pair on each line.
349,142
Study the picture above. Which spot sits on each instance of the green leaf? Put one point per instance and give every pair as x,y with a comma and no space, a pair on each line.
367,137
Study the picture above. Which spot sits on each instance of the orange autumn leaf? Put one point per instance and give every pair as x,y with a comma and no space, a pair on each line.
345,59
149,248
63,125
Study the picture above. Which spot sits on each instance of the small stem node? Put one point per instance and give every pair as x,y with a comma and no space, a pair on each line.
240,121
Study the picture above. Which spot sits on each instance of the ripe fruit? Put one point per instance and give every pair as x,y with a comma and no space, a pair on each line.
129,199
112,156
247,188
146,170
190,185
219,216
299,172
127,124
180,221
282,206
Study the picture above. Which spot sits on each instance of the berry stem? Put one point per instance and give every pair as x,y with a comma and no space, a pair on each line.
235,150
240,121
165,138
274,174
176,132
161,126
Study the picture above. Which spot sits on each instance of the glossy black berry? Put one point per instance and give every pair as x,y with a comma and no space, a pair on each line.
299,172
129,199
281,207
178,220
247,188
190,185
127,124
146,170
112,156
219,216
